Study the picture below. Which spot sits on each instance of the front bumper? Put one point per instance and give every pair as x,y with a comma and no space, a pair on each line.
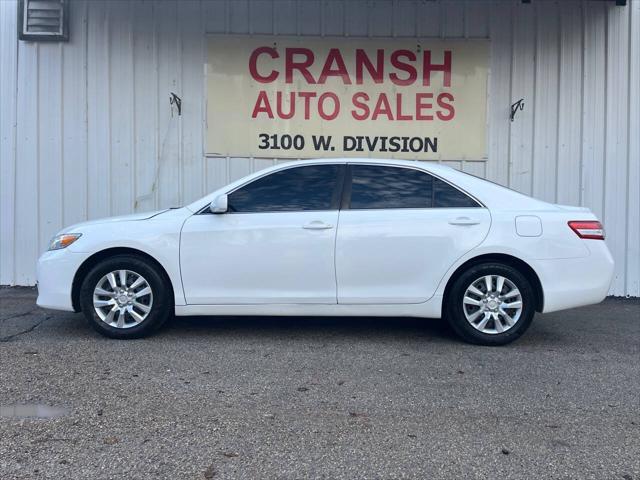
55,273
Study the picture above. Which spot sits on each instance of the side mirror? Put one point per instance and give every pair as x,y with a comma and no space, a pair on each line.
219,204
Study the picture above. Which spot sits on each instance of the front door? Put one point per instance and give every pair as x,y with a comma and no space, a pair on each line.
274,245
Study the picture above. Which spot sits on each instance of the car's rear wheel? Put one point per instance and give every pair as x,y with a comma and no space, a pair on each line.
490,304
126,296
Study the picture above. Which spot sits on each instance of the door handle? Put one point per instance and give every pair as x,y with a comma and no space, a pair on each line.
463,221
317,225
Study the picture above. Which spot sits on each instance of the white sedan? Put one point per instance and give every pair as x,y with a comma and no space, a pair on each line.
339,237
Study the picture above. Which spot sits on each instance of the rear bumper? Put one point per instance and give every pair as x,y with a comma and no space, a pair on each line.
56,270
575,282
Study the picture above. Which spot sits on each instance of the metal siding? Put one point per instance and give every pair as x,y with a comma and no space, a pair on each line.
616,142
145,74
192,141
86,129
309,18
593,102
121,81
98,111
429,19
332,18
453,20
8,114
523,86
28,217
476,16
356,20
404,19
74,122
569,105
499,94
260,18
632,263
381,18
547,106
49,140
169,124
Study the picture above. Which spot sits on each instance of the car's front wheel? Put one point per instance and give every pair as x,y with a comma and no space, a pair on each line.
490,304
126,296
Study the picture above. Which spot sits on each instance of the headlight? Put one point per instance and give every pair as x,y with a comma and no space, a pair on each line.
63,241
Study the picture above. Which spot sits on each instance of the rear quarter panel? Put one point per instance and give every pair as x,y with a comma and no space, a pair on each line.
572,271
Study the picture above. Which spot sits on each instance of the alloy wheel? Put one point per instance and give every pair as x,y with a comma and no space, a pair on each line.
492,304
122,299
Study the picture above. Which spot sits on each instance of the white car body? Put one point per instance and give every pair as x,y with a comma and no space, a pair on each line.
394,262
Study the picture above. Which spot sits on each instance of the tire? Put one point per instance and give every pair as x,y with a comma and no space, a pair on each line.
134,314
466,318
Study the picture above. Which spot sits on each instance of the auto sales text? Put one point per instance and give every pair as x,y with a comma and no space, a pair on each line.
399,67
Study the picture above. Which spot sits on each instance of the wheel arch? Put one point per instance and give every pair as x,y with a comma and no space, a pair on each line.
97,257
515,262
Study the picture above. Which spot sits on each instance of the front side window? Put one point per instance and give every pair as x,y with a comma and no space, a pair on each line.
311,187
380,187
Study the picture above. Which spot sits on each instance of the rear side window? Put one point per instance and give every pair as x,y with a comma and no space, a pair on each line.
375,187
446,196
312,187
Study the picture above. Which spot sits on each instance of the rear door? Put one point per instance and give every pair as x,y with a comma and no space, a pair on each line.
399,231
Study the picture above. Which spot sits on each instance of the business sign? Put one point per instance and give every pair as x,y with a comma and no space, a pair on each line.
327,97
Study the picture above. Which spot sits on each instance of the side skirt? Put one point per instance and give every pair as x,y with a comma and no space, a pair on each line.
430,309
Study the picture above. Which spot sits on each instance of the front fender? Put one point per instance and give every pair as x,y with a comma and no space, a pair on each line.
157,237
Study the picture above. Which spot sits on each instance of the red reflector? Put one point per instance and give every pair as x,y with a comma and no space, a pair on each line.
588,229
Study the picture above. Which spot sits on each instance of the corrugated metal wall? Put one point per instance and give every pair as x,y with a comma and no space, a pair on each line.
87,131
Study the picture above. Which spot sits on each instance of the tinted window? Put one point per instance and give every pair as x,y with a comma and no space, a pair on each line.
301,188
445,196
389,187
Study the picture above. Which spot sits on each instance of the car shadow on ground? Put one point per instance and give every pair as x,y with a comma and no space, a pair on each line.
20,318
436,329
541,334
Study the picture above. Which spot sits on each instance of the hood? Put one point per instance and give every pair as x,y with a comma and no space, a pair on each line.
120,218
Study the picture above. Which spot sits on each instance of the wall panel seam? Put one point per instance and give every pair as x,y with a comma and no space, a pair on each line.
85,63
109,112
582,71
15,161
511,68
179,87
156,66
558,102
133,149
37,141
533,99
628,159
62,202
605,110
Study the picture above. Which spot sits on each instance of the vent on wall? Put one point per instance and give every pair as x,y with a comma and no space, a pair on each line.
43,20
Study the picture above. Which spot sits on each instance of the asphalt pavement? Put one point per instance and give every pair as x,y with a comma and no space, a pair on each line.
334,398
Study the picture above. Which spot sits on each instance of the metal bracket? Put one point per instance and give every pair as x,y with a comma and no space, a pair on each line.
519,105
177,101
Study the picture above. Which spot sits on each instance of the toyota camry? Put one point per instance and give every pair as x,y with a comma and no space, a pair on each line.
341,237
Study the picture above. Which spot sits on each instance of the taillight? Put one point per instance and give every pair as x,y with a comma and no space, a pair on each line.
588,229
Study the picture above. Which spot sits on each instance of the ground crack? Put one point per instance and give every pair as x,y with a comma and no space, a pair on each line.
16,315
30,329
